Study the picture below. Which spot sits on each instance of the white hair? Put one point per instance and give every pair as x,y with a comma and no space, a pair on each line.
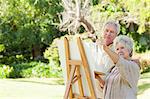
114,23
128,42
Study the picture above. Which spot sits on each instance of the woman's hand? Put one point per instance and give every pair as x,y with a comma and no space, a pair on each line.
102,44
111,54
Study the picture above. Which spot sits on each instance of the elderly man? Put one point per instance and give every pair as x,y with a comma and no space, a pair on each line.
110,31
103,63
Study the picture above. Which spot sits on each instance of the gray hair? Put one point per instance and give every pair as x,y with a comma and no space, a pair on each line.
128,42
114,23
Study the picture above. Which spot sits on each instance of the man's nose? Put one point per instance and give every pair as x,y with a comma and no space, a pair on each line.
119,50
108,33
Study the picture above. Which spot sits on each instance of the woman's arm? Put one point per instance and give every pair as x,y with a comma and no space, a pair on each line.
129,70
111,54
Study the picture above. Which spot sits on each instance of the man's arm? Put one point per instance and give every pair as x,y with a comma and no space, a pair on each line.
89,28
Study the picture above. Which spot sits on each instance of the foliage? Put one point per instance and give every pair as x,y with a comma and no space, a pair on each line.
95,2
41,70
139,10
18,68
144,59
2,47
146,69
51,53
9,59
30,69
145,66
28,23
133,16
25,23
6,71
103,12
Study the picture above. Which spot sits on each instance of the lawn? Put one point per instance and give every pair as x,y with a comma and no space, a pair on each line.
144,86
31,88
41,88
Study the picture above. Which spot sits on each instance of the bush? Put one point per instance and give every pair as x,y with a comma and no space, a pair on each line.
144,61
40,70
45,70
51,54
2,47
145,70
145,66
13,59
6,71
18,68
36,69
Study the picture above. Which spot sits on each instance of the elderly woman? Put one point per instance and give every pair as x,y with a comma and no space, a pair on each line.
121,82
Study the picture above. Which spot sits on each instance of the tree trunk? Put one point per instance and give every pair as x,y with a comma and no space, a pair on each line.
36,52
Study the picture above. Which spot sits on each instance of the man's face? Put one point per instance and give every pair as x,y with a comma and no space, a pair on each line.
109,34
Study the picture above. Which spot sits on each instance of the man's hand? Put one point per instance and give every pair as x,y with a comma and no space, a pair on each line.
93,37
101,81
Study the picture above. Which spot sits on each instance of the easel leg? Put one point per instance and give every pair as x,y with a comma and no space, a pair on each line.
69,82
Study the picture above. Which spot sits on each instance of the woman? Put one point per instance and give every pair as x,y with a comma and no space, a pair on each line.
121,82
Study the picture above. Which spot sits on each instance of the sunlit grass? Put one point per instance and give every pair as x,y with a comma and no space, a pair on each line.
51,88
144,86
48,81
32,88
145,75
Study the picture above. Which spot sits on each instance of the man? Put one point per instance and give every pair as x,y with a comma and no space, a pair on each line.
102,61
110,31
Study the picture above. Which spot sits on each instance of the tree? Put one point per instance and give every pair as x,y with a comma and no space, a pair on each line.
28,25
92,14
133,16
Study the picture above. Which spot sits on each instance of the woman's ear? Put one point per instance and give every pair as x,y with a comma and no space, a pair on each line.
131,53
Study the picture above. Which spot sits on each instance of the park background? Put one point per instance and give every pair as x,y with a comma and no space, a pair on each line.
29,54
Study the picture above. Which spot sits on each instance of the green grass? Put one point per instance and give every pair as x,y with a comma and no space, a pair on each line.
144,83
48,81
33,88
51,88
145,75
144,86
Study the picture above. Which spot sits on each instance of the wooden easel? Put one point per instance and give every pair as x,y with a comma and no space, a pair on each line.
73,73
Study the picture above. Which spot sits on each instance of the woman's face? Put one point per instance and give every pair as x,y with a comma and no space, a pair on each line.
121,50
